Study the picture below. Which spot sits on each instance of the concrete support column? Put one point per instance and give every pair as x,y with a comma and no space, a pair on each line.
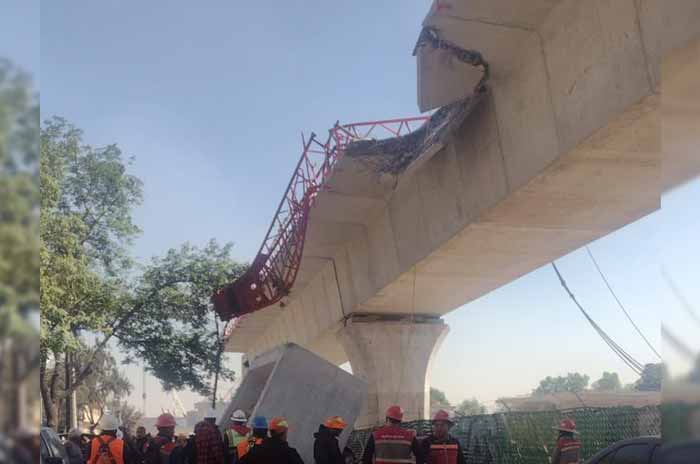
394,358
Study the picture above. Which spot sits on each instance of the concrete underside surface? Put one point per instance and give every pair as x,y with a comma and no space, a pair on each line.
565,148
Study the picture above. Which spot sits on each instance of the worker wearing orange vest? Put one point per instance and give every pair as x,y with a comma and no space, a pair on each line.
106,448
259,426
440,447
568,450
392,444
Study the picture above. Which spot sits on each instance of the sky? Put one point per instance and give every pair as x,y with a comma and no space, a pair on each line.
210,101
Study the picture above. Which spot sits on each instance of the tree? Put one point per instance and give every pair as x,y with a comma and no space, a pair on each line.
19,217
610,381
573,382
127,414
470,407
651,378
438,400
103,388
162,314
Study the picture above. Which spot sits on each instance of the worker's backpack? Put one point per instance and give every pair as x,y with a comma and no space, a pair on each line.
104,453
165,451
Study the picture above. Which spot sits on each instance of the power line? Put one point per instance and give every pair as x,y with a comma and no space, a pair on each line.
679,296
632,363
677,344
619,303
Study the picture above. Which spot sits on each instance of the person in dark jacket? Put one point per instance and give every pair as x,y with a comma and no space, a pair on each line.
274,450
440,447
326,447
74,447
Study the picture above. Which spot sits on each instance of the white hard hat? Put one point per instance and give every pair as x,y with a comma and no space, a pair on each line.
108,422
239,416
211,414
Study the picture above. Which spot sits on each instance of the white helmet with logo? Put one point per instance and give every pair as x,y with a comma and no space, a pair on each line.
239,416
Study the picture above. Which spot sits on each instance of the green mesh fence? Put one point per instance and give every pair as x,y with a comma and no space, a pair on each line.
528,438
681,421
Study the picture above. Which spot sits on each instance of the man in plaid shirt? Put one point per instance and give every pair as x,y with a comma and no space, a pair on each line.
208,443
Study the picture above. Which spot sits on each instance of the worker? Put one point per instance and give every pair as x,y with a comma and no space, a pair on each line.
568,449
160,448
391,443
106,448
209,447
73,447
141,442
440,447
237,433
259,426
274,450
326,447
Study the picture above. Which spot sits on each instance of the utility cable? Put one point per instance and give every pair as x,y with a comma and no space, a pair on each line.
679,296
632,363
619,303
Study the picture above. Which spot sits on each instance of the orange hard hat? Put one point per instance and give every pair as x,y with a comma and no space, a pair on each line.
278,424
395,412
566,425
165,420
442,415
335,422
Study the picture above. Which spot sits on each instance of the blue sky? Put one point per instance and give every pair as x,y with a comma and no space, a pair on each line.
210,100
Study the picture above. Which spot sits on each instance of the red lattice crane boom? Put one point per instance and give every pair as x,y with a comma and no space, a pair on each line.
273,271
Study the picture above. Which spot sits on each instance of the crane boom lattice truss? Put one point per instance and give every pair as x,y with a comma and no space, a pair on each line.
274,269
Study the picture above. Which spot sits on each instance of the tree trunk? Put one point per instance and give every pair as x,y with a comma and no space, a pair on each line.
50,407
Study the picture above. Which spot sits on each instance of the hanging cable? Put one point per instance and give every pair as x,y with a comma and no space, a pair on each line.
632,363
619,303
680,297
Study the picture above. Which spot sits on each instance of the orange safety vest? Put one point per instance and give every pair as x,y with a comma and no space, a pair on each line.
116,448
245,446
443,453
392,445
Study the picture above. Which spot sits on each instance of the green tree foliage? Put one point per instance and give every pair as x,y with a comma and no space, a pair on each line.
160,313
470,407
438,400
609,381
170,322
651,378
573,382
19,219
19,200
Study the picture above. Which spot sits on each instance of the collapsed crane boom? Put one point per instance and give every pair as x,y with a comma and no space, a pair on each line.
274,269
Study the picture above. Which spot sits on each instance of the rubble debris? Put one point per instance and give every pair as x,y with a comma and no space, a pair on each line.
393,156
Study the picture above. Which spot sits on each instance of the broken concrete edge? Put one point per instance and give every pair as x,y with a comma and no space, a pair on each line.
394,156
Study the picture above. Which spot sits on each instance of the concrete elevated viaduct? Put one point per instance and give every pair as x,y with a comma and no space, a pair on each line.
564,147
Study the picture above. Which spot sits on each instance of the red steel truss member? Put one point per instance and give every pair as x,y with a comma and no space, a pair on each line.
274,269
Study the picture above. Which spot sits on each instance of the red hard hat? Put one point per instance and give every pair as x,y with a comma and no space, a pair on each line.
566,425
165,420
442,415
395,412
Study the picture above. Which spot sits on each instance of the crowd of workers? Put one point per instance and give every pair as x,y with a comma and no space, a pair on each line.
265,442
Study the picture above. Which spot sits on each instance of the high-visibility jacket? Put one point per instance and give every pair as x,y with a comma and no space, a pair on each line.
393,445
568,451
445,451
246,445
233,437
116,448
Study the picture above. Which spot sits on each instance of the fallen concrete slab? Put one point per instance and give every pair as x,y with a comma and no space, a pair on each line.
296,384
